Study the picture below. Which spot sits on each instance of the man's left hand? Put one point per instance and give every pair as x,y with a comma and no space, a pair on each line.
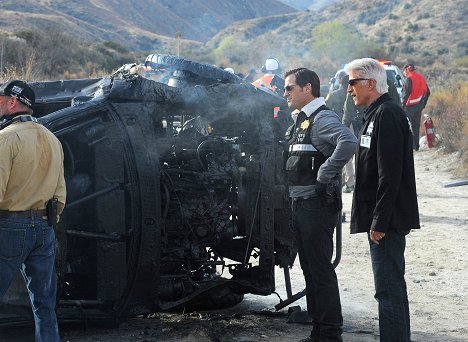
321,189
376,236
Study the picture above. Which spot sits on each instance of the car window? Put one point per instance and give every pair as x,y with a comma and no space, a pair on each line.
391,75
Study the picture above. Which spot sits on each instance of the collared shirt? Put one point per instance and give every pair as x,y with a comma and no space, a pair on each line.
31,168
313,105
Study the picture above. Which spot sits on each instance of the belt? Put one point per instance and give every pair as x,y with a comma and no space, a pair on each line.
26,213
302,198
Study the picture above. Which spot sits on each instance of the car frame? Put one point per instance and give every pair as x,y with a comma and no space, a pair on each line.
176,196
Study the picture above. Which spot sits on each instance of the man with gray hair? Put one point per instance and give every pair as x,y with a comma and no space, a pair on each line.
384,200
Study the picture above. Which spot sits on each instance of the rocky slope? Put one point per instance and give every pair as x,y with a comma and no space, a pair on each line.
138,24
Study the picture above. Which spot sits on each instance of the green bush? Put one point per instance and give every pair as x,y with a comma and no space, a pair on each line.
332,39
462,62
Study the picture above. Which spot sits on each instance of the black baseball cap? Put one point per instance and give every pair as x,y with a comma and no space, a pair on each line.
19,89
409,66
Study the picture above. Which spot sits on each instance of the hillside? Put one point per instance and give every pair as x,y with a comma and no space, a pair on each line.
141,25
239,34
425,32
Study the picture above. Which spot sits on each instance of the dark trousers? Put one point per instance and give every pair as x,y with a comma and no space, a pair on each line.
388,265
414,115
314,225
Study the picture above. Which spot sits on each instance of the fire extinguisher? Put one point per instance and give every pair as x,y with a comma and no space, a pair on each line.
429,128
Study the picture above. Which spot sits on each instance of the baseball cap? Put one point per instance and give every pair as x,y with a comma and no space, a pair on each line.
19,89
409,66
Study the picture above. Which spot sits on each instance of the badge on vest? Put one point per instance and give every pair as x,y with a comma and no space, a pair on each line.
305,124
365,141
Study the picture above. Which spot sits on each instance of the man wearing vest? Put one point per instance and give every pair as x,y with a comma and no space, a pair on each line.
32,185
319,146
415,96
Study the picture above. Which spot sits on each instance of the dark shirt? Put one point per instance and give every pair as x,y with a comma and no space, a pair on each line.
385,193
336,100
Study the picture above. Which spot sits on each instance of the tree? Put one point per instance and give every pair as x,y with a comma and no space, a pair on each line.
334,40
230,51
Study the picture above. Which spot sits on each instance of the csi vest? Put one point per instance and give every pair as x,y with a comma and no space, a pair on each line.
304,160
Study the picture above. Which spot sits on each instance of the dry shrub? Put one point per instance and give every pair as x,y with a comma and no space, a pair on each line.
449,109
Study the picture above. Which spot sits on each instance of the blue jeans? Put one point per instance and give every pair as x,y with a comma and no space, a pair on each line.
388,265
28,245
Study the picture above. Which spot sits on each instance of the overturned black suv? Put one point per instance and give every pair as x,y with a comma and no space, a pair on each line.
176,196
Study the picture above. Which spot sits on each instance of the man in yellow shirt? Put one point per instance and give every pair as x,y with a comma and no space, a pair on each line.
31,177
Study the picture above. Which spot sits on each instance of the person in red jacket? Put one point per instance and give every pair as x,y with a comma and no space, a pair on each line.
415,96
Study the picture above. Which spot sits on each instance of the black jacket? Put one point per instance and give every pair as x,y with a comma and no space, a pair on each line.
385,192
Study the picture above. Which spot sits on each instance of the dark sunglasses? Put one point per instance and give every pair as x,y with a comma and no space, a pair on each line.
290,87
353,82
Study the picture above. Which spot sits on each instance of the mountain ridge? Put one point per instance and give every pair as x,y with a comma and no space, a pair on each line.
139,25
425,32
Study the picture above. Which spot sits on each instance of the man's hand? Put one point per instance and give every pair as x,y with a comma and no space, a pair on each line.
321,189
376,236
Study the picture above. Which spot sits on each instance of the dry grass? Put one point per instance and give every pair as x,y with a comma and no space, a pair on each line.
449,108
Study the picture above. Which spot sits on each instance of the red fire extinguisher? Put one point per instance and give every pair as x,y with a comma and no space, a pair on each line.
429,128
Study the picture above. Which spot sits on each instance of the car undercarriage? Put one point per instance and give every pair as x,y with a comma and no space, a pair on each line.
176,196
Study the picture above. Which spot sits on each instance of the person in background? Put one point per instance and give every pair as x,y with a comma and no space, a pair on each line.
271,80
393,92
352,118
335,100
31,180
415,96
319,147
384,200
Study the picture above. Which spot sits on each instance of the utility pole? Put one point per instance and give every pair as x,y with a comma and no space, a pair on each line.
1,56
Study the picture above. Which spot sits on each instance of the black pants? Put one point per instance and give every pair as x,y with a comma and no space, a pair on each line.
314,226
414,115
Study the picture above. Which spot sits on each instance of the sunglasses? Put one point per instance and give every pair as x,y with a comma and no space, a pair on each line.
290,87
353,82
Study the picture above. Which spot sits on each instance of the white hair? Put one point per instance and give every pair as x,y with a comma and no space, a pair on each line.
371,69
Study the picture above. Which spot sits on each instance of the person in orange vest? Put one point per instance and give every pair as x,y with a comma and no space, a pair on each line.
271,80
415,96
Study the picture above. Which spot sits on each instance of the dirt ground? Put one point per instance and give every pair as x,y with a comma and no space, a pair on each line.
436,275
